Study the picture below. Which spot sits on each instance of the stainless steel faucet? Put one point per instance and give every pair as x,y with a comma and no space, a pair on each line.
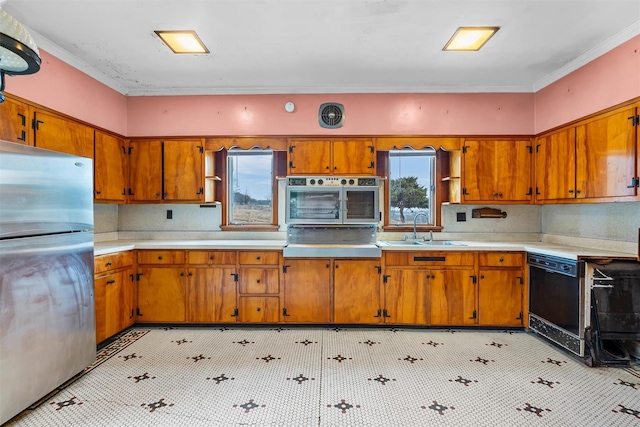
415,220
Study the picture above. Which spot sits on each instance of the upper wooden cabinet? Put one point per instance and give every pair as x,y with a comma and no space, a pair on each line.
595,160
354,156
166,171
496,171
15,122
56,133
110,168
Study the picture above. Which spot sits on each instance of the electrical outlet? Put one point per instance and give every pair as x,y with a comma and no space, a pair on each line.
461,216
169,214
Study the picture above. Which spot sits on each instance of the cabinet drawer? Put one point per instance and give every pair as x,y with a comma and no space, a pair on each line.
259,309
107,262
501,259
161,257
430,258
212,257
259,258
259,281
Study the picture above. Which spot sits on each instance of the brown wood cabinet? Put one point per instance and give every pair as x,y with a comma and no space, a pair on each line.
170,171
162,279
57,133
597,159
110,168
501,289
443,283
355,156
307,291
15,122
407,296
114,294
212,287
258,286
356,291
497,171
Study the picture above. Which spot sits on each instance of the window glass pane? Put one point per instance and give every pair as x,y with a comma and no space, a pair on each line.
250,186
411,186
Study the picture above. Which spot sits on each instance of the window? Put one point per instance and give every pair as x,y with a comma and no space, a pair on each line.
411,187
249,187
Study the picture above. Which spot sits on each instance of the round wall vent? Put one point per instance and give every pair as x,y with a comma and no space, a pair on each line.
331,115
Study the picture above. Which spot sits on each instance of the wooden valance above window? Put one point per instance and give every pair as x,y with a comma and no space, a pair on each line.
246,143
417,143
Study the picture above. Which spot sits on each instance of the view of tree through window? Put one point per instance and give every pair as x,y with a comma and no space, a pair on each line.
411,174
250,187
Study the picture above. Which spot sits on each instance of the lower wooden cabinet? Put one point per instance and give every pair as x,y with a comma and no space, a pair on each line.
161,294
356,291
453,297
259,309
114,294
407,296
500,297
211,295
307,291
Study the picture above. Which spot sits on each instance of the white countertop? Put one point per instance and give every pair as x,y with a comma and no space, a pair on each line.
563,251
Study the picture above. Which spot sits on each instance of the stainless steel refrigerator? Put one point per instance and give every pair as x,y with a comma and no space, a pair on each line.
47,315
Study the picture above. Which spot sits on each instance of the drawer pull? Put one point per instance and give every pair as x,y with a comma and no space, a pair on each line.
108,263
501,260
258,281
110,282
429,258
160,257
258,258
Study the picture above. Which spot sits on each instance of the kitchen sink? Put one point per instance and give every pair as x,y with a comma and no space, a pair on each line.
420,243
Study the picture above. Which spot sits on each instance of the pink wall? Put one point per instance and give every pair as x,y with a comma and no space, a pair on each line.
606,81
431,114
65,89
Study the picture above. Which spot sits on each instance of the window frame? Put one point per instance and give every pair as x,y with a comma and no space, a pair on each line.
278,168
384,162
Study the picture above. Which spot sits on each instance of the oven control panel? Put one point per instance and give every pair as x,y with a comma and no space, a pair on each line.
334,181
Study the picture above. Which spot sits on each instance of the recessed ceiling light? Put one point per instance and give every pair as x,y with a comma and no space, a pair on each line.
183,41
470,38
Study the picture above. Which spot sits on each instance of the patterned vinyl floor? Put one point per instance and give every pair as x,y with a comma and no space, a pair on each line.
338,377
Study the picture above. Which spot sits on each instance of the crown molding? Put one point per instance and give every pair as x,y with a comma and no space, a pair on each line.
623,36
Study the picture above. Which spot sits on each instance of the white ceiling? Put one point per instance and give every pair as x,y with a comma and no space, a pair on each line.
326,46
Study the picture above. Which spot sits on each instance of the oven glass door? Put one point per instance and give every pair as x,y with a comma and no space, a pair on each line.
361,205
313,205
557,298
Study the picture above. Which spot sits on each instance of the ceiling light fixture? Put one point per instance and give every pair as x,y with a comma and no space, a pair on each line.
470,38
18,52
182,41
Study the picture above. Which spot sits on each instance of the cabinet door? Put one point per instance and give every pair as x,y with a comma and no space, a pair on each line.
357,291
100,302
309,157
555,165
211,295
128,300
479,170
407,297
354,157
453,297
161,294
56,133
15,122
254,280
110,168
183,164
145,171
259,309
500,297
307,291
606,156
513,170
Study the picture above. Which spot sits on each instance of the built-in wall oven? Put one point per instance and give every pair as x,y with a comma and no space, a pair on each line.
332,200
558,302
